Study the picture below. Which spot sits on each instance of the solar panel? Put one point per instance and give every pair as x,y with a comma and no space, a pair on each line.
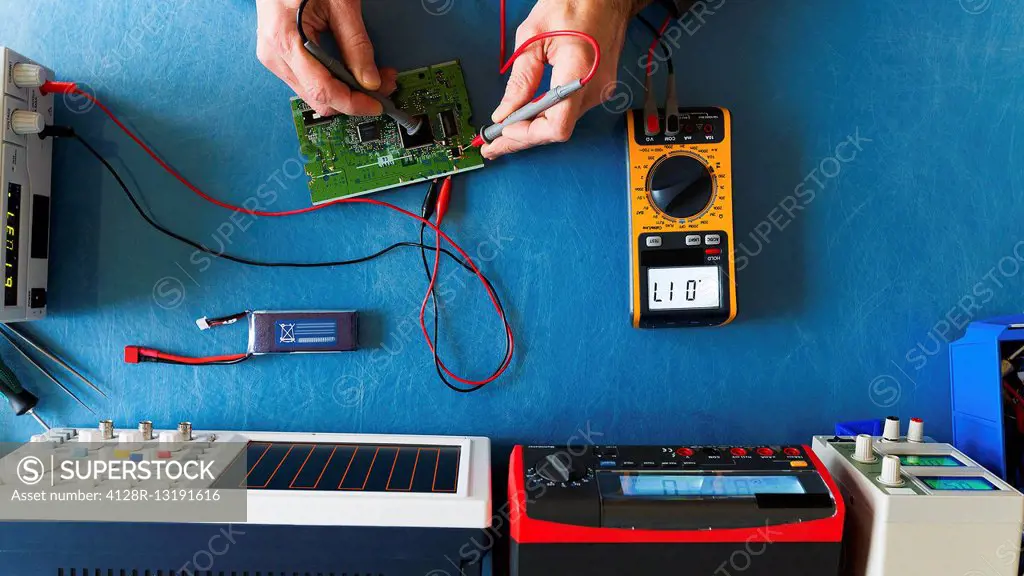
413,468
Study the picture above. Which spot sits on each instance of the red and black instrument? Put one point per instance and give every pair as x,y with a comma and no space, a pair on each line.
660,510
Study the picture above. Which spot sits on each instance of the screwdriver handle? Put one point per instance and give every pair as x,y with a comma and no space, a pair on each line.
21,400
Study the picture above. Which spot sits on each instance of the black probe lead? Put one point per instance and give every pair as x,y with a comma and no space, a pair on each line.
246,261
298,21
661,41
427,211
65,132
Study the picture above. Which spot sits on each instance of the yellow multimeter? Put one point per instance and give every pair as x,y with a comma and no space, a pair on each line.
680,215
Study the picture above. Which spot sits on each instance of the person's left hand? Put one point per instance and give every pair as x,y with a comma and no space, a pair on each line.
571,59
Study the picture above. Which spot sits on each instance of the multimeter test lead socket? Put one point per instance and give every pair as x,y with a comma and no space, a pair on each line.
532,110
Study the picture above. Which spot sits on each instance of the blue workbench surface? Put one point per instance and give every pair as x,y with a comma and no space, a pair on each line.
832,305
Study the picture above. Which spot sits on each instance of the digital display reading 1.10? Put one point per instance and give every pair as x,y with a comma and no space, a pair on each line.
11,244
688,288
958,483
709,486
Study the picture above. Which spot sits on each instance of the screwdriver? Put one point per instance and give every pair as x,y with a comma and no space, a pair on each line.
45,372
22,401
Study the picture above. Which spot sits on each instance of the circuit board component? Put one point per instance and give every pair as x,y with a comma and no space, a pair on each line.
353,155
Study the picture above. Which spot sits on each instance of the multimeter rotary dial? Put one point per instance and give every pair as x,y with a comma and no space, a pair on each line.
681,186
559,468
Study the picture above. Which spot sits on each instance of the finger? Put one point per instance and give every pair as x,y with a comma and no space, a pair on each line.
388,80
527,73
507,144
317,85
570,61
356,48
514,138
281,69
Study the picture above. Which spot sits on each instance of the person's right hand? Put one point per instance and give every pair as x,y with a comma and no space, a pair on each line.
279,48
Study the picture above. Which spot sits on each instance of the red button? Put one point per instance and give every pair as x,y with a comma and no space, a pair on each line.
163,454
689,128
652,125
713,251
764,451
792,451
685,452
738,451
708,128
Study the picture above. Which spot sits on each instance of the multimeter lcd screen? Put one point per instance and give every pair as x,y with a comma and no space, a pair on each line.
721,486
958,483
688,288
938,460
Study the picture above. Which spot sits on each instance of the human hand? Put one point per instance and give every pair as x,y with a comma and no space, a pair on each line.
279,48
571,59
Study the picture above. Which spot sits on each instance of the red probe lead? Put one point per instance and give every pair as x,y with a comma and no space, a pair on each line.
553,96
139,354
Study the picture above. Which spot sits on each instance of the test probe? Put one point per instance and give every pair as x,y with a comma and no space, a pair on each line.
411,124
553,97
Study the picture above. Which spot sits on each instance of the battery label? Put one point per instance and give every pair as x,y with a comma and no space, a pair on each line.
306,333
299,332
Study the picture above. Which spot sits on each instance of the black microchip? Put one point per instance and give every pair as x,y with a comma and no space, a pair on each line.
449,124
310,118
368,132
421,138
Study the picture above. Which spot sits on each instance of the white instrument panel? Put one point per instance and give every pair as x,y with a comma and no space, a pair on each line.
310,479
922,508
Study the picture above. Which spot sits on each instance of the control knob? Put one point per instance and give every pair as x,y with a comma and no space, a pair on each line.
863,451
27,75
891,475
891,431
681,186
25,122
560,467
915,433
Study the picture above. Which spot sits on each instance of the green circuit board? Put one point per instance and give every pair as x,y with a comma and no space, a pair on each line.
352,155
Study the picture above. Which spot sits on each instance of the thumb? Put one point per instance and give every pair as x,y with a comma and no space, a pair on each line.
527,73
356,49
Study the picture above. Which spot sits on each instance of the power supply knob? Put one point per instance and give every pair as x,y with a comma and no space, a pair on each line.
863,451
28,75
891,431
915,432
891,474
559,467
681,186
25,122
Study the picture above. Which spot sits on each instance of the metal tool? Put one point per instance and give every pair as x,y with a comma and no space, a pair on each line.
22,401
56,360
42,369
